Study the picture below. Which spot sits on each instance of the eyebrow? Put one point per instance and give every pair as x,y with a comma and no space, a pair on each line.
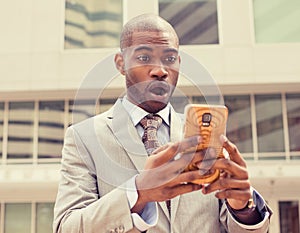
143,48
170,50
150,49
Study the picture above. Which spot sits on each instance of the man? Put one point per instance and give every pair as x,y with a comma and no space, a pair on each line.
111,183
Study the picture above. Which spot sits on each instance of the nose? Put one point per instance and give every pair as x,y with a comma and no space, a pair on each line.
159,72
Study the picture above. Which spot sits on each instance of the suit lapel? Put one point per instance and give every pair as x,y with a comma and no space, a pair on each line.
126,134
175,127
175,135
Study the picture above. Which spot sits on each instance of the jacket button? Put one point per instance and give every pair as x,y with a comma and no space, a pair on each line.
120,229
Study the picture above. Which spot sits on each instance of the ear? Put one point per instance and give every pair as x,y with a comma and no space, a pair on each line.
120,64
179,59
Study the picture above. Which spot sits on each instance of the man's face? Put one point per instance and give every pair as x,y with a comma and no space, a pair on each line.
151,67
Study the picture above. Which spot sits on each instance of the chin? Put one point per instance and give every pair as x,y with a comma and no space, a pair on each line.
153,106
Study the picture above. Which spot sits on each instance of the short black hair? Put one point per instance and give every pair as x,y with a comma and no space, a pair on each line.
144,23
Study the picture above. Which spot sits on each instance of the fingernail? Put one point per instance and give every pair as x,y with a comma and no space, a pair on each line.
199,139
223,138
212,153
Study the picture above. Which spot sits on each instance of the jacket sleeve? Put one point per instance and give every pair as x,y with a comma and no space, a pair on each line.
79,207
232,225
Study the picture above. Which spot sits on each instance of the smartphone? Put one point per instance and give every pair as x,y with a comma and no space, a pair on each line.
208,121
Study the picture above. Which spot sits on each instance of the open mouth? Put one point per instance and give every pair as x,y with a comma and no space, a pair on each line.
159,88
158,91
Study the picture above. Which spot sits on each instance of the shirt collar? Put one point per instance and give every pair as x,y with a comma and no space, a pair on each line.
137,114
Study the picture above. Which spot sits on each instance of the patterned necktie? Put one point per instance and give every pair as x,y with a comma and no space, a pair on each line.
150,123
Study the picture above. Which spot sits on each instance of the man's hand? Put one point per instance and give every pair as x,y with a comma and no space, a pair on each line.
233,184
162,178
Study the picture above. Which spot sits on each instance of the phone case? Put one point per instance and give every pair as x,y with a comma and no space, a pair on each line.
209,121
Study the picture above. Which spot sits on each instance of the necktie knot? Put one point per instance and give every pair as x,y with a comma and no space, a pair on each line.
150,123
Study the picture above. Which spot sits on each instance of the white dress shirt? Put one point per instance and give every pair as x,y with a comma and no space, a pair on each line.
149,216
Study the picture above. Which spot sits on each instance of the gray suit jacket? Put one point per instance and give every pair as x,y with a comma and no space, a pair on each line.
98,157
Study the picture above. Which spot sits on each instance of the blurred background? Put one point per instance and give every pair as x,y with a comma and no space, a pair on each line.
250,47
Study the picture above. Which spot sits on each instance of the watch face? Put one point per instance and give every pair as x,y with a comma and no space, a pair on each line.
251,203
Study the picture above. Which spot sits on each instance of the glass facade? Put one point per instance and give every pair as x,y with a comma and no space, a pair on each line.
44,217
239,127
51,128
269,123
80,110
276,21
17,218
92,23
195,21
20,130
293,116
27,217
105,104
206,100
1,126
35,130
289,216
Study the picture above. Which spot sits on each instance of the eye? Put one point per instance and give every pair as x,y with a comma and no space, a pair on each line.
171,59
143,58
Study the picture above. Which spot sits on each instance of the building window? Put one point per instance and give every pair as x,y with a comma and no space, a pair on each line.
92,23
17,218
44,217
20,130
179,103
80,110
269,123
289,216
27,217
106,104
33,131
206,100
195,21
276,21
293,115
51,129
1,126
239,127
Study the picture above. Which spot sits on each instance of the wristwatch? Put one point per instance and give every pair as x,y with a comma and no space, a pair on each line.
251,203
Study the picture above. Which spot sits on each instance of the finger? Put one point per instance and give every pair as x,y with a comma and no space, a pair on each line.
234,169
189,176
227,183
188,143
206,164
182,189
191,159
236,194
233,151
159,149
207,155
173,149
